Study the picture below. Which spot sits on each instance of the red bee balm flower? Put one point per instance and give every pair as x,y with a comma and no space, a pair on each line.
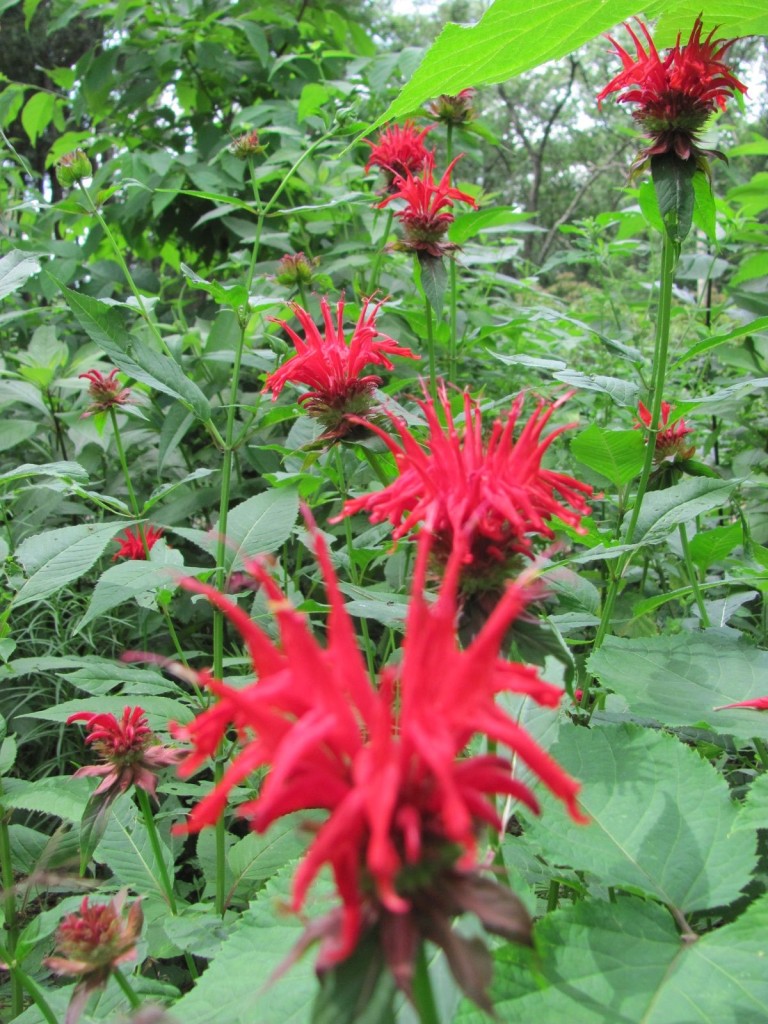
491,492
332,368
671,445
105,392
95,940
132,546
399,150
426,218
674,94
125,747
386,761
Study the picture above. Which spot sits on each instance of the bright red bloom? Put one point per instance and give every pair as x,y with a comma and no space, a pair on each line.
426,217
671,445
758,704
386,761
132,546
399,150
94,940
674,94
105,392
491,493
125,747
332,367
456,109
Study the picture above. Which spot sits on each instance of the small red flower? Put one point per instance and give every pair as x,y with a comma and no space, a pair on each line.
129,758
456,109
426,217
333,368
105,392
405,804
399,151
758,704
463,485
93,941
132,546
671,445
675,94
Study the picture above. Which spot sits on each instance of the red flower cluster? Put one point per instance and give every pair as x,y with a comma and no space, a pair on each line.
488,492
399,151
426,217
128,756
387,762
132,545
105,392
674,94
671,445
332,368
95,940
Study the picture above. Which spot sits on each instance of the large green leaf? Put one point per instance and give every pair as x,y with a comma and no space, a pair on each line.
60,795
625,963
159,710
680,680
663,511
661,818
260,524
615,454
56,557
16,267
236,981
126,849
514,36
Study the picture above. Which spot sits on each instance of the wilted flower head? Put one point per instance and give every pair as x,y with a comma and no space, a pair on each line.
73,167
671,445
675,94
132,545
105,392
333,368
405,806
456,109
399,151
295,269
246,145
92,942
488,491
426,217
129,757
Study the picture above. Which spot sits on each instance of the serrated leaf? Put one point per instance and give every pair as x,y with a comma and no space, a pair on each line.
673,181
617,455
159,710
680,680
433,278
761,324
664,510
57,557
16,267
622,392
255,857
260,524
60,795
754,811
107,327
7,753
36,114
126,848
710,546
661,818
61,470
232,296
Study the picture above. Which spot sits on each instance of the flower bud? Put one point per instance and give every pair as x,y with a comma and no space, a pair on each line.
73,167
246,145
295,270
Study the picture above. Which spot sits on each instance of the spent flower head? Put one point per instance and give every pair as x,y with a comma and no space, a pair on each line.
128,754
246,145
72,168
468,483
399,150
406,805
458,109
426,216
332,367
674,93
105,392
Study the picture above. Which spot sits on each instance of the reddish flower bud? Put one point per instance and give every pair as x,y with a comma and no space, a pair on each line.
246,145
456,109
105,392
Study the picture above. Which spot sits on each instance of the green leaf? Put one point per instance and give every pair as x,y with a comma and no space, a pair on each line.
13,432
57,557
673,181
359,990
313,98
467,225
704,212
666,509
255,857
711,546
616,454
37,114
68,471
432,277
106,326
233,296
257,945
260,524
126,848
754,811
623,392
761,324
8,749
661,818
680,680
60,795
16,267
159,710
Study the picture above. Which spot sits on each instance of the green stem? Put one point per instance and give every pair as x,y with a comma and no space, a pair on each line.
693,577
122,981
11,925
25,982
377,260
553,895
431,349
669,255
132,499
423,995
453,314
166,881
